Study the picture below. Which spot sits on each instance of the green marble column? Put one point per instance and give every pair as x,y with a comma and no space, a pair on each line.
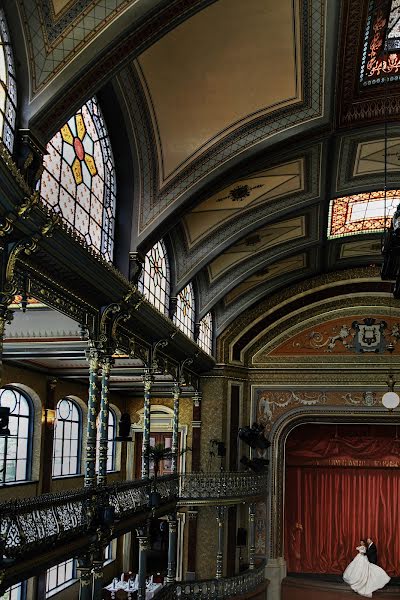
146,424
103,420
175,428
90,468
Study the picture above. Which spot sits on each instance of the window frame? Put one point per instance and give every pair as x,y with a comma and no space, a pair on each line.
21,594
151,294
29,442
64,584
208,348
79,439
11,99
111,412
179,322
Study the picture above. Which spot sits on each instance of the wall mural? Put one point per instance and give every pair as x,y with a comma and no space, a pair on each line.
268,405
355,335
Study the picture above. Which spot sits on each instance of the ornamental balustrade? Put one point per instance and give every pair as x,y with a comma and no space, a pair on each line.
27,525
226,587
224,484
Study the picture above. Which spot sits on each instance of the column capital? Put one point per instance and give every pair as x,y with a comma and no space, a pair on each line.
197,398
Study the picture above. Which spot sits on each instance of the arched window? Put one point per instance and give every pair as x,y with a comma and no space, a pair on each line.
67,438
154,281
79,178
17,446
206,333
111,433
184,315
8,87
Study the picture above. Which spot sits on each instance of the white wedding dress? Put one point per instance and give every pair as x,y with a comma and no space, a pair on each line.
364,577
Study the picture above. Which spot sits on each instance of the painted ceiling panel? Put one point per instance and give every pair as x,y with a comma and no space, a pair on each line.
361,248
258,241
245,193
370,157
201,87
287,265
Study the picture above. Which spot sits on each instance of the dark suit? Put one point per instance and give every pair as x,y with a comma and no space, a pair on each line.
372,554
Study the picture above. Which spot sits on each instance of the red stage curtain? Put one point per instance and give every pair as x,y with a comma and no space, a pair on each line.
329,509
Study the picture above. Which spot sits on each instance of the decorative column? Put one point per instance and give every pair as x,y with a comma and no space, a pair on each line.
85,577
146,424
196,432
171,573
90,469
144,545
192,540
175,428
252,535
98,582
220,548
103,425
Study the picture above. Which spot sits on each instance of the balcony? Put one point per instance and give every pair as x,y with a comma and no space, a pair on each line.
211,488
224,588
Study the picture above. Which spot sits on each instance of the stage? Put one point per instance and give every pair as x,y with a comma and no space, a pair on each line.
319,587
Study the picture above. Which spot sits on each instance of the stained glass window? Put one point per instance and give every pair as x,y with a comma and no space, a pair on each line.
206,333
15,592
79,178
16,447
8,87
380,64
67,438
362,213
60,575
154,281
184,315
112,424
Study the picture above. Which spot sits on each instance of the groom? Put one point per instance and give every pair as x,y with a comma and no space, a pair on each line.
372,553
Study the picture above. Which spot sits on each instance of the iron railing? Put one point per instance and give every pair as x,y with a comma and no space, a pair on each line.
28,525
208,589
225,484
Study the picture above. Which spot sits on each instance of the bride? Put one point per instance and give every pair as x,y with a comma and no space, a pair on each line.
364,577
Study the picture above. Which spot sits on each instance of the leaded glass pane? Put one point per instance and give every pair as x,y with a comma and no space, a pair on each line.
184,315
8,88
362,213
67,438
206,333
17,457
79,178
154,282
381,52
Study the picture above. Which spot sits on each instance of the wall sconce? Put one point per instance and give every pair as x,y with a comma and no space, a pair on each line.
49,415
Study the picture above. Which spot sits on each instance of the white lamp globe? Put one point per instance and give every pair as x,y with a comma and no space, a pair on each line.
390,400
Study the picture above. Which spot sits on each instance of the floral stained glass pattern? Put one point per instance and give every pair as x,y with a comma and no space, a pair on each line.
8,88
380,63
184,315
154,282
362,213
79,178
206,333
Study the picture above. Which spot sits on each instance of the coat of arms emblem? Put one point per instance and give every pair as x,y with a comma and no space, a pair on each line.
369,336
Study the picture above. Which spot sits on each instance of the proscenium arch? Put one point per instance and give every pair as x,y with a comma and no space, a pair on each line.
280,431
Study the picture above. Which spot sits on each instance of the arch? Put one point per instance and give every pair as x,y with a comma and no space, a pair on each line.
8,95
36,426
17,447
79,178
155,279
184,316
281,429
67,446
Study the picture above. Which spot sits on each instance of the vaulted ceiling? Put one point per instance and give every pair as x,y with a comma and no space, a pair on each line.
243,121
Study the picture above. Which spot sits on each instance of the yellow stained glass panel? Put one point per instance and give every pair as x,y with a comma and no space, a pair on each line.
80,126
67,134
77,171
89,160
